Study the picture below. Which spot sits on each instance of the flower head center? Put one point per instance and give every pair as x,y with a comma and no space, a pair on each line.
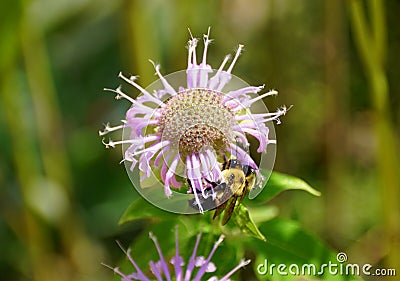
195,119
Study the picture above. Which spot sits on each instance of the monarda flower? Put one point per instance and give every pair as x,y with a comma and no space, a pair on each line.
176,269
183,131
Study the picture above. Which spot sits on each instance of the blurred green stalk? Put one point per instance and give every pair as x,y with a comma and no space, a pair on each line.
25,224
57,246
141,43
46,109
371,44
77,249
16,113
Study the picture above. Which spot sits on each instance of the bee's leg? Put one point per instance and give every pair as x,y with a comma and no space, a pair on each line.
213,184
189,184
244,193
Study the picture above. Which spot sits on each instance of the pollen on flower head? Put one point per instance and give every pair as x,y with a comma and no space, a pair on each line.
195,119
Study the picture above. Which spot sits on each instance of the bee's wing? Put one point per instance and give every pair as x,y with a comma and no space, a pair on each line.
229,210
219,209
232,204
222,200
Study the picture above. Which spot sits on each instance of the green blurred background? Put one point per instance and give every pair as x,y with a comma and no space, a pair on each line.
62,193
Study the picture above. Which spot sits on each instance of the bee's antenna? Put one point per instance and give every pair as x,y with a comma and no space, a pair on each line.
226,158
226,162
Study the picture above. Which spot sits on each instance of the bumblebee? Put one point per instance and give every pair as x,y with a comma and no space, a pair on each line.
239,179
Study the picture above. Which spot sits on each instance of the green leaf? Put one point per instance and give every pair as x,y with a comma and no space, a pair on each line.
279,182
241,217
262,213
141,209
